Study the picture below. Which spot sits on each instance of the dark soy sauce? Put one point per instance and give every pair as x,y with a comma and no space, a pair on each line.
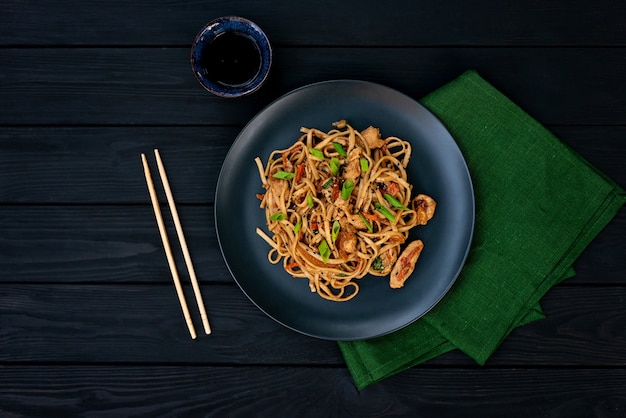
231,59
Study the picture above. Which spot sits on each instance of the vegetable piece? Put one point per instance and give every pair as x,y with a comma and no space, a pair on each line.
316,153
297,227
365,164
394,202
328,183
309,200
284,175
346,189
366,222
386,212
378,264
371,216
335,193
292,266
393,188
339,149
335,230
278,217
324,250
334,165
300,173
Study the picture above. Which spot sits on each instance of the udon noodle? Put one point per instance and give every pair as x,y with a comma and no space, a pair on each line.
338,206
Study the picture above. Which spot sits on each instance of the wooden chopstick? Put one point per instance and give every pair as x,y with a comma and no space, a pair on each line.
183,243
166,245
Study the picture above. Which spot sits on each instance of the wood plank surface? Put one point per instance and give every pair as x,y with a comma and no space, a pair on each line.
121,244
329,392
139,86
101,165
403,23
103,244
585,326
89,320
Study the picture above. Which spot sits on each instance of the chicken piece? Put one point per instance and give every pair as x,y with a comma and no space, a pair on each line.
344,205
275,186
287,165
424,206
346,242
397,238
406,264
372,137
353,166
340,124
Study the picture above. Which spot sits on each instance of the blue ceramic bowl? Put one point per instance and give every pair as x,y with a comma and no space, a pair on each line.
241,27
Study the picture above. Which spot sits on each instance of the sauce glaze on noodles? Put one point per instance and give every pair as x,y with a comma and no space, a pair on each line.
338,206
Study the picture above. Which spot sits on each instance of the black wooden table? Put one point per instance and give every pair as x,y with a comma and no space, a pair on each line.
89,321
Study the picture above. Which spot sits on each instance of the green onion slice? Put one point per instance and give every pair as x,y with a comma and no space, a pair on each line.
386,212
309,200
278,217
394,202
339,149
324,250
334,233
366,222
316,153
328,183
365,164
284,175
297,227
346,189
334,165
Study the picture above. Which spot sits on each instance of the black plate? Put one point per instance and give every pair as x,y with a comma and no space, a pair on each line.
436,168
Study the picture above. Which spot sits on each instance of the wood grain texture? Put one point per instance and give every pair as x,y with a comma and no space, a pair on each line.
104,244
604,260
585,326
121,244
101,165
303,392
405,23
107,86
89,320
602,146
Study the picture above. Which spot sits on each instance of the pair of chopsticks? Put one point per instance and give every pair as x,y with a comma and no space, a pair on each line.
168,249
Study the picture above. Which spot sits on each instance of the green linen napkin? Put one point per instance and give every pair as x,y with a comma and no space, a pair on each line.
538,205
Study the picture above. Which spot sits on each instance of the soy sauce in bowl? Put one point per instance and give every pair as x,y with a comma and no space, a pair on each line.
231,59
231,56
